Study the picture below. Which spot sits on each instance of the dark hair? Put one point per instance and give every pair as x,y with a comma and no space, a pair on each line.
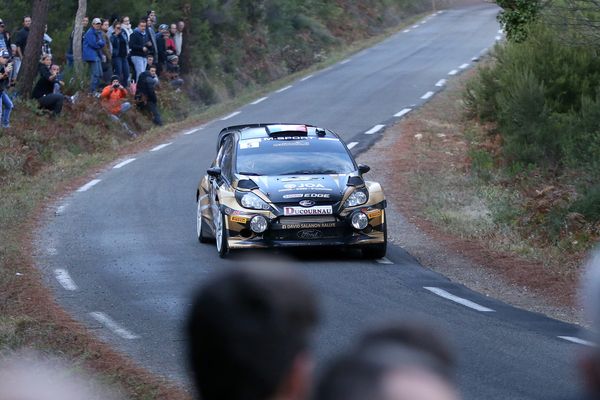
349,377
245,330
143,19
417,336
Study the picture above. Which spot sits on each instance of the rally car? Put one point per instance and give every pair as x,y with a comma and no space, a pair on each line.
285,185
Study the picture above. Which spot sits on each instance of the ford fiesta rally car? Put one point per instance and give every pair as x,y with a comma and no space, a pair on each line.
275,185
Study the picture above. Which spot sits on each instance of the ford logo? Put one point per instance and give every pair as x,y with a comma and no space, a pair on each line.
307,203
310,234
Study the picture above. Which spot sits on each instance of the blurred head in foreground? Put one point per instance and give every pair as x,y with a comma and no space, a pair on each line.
399,362
30,376
590,299
249,332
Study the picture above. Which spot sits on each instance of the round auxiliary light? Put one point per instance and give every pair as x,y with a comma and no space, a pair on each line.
360,220
258,224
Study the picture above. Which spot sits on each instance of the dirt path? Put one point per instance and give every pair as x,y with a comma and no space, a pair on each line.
395,161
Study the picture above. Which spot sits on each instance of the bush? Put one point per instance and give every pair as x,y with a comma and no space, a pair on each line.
589,204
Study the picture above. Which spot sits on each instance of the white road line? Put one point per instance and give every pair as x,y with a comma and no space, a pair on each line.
194,130
453,72
501,31
63,277
415,26
113,326
161,146
283,89
406,31
346,61
374,129
255,102
464,66
351,145
498,38
384,260
233,114
456,299
403,112
124,163
578,341
88,185
61,209
441,83
427,95
306,78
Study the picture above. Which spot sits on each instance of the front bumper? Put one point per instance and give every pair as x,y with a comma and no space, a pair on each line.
308,231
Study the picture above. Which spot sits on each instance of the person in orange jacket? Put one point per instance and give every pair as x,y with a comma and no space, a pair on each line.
113,96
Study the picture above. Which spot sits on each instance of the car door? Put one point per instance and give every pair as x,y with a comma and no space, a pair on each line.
225,154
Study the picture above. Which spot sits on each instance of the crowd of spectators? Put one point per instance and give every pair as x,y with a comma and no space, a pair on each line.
123,61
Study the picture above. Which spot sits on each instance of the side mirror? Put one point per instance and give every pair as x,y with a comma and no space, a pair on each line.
363,169
215,172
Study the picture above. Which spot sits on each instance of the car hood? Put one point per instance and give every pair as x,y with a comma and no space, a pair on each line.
292,189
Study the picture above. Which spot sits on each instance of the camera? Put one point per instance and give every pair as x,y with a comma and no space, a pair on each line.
116,86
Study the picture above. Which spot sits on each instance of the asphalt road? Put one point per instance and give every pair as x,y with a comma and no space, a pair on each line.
122,256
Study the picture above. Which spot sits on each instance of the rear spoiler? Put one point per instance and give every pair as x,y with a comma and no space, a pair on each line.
226,131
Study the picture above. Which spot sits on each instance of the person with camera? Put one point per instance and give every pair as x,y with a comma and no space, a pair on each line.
6,104
145,95
44,90
113,97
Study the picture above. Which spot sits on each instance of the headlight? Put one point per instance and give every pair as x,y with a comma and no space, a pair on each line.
357,198
250,200
258,224
359,220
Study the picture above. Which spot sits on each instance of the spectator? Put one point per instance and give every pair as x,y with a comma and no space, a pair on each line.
21,42
84,24
179,37
13,74
6,104
590,297
152,49
119,54
172,71
92,55
106,53
145,94
138,45
4,38
43,91
150,63
58,81
249,332
389,367
161,45
126,27
47,41
113,97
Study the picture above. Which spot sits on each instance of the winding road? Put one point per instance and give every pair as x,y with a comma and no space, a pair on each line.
121,254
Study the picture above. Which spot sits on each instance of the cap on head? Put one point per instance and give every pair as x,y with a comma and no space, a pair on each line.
114,78
5,54
163,27
96,21
172,57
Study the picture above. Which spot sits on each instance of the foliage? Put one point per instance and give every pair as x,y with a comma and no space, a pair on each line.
517,15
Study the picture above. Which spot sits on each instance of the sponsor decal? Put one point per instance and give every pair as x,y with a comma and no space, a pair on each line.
305,187
307,196
374,214
310,234
307,203
309,225
249,144
297,178
318,210
240,220
295,143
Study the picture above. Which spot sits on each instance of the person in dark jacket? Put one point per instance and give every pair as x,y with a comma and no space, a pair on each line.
145,94
84,24
139,43
6,104
4,37
43,91
161,47
21,42
120,49
92,46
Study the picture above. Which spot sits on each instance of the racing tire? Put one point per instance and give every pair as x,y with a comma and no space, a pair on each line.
201,228
221,236
376,251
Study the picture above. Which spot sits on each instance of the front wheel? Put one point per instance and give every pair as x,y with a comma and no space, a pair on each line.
221,235
375,251
201,230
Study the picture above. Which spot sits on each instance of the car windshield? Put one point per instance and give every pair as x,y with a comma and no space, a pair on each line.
298,156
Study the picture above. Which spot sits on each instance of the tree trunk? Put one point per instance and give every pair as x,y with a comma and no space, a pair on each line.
77,34
31,58
186,58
